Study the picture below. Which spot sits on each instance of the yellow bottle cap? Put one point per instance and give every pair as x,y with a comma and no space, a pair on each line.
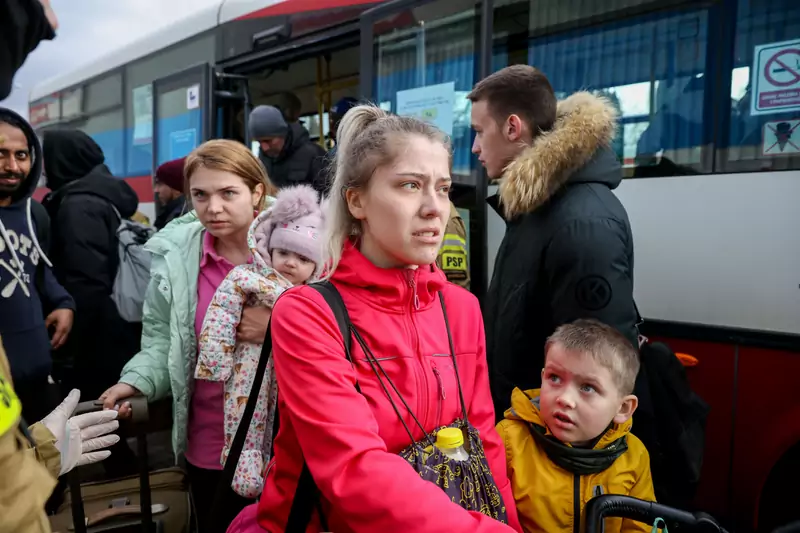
449,438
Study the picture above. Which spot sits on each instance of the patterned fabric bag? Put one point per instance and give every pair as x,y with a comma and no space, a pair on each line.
469,484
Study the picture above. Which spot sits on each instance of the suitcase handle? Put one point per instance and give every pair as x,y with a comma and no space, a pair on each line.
140,413
139,408
615,505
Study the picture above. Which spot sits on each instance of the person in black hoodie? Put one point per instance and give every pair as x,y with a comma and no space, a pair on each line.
85,207
28,288
23,25
287,152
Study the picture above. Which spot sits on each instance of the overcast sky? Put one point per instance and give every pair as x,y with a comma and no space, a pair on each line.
90,29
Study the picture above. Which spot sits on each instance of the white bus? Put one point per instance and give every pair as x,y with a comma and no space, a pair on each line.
709,95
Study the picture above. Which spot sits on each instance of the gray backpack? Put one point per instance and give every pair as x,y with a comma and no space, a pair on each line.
133,272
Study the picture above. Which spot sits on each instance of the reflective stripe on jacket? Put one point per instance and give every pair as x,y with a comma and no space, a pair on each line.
29,473
453,254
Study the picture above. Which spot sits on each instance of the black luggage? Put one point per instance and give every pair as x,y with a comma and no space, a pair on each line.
156,502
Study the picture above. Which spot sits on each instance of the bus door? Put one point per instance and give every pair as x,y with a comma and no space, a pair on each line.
233,106
182,111
421,58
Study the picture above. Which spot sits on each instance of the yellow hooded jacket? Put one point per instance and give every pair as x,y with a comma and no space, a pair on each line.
28,473
548,495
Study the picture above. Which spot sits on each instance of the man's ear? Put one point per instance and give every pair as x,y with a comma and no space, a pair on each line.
629,405
514,129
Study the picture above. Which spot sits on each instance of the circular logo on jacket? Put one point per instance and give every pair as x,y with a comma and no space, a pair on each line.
593,292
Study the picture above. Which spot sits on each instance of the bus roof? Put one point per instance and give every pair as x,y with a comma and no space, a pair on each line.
185,28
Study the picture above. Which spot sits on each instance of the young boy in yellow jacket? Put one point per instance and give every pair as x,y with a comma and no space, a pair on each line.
571,440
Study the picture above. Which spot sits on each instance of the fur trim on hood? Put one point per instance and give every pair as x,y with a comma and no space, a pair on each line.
584,123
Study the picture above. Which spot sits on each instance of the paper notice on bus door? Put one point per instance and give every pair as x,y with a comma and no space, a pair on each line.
433,104
776,78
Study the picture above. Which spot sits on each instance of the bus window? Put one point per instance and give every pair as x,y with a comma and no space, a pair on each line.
765,134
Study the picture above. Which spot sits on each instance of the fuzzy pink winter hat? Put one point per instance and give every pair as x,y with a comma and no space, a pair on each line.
296,224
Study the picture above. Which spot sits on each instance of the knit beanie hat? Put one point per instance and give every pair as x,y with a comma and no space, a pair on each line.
267,121
171,174
344,105
297,223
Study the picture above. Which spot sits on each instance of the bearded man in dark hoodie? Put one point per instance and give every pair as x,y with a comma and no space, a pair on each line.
85,207
28,288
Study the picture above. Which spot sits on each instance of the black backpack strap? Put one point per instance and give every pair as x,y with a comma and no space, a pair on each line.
224,486
306,497
335,302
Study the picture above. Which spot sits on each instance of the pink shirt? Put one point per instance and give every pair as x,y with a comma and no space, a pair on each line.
205,434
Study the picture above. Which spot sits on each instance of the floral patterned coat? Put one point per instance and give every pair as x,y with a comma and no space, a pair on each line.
221,358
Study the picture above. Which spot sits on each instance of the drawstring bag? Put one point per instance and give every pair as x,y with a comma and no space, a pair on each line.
470,483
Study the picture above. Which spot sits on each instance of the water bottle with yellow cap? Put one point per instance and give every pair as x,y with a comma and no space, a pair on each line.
450,442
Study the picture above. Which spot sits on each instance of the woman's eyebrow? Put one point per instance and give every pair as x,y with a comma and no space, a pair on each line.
421,176
413,175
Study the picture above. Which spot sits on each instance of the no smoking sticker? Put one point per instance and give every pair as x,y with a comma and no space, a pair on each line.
776,78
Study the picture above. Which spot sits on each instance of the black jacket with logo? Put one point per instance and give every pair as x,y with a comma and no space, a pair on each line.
568,248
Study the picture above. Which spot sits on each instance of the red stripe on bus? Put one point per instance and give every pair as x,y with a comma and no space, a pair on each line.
142,185
290,7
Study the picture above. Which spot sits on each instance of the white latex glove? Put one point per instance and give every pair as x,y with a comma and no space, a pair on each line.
79,438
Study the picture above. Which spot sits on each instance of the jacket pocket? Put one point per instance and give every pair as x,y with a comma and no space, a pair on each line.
380,359
443,396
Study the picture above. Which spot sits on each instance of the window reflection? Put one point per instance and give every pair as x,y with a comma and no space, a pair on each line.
749,143
659,67
428,47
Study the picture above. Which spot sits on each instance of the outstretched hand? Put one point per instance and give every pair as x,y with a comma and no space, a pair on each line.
81,439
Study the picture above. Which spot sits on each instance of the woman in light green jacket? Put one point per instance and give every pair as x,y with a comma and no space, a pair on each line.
227,187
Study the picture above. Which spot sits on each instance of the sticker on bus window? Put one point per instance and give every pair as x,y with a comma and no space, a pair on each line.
193,97
781,137
776,78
